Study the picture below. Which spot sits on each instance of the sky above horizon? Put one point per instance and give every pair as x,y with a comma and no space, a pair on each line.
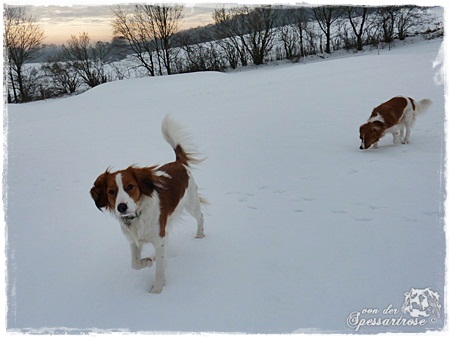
60,22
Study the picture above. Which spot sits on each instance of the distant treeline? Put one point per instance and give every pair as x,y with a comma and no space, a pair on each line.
147,42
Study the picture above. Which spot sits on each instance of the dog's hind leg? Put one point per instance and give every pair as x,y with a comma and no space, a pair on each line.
408,132
200,230
408,121
193,207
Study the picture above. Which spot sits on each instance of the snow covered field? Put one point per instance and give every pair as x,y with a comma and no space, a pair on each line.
303,229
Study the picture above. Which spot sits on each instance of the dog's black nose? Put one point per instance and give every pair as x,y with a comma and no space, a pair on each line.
122,208
361,147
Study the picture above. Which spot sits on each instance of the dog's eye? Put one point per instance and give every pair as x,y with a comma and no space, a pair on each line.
129,187
111,192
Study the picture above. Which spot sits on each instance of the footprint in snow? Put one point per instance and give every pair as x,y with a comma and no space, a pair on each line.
233,193
363,219
374,207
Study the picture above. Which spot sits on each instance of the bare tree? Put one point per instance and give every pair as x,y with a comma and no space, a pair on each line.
407,17
149,31
22,37
133,27
164,22
229,34
289,37
259,23
386,22
357,16
295,22
249,29
199,56
88,60
325,17
64,80
232,54
301,24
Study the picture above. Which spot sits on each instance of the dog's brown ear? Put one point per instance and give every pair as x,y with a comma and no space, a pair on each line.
376,128
98,191
361,129
146,179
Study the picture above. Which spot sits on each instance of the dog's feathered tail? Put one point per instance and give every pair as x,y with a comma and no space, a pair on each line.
180,141
422,105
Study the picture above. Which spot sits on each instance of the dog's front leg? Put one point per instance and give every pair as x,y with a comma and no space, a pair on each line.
137,262
396,133
161,249
135,256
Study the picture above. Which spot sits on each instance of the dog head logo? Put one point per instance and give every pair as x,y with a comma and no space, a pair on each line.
421,303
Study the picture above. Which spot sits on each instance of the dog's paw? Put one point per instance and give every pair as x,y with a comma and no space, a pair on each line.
156,290
199,235
142,263
147,262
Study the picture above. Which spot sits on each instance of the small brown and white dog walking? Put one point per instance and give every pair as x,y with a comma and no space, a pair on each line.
393,117
146,201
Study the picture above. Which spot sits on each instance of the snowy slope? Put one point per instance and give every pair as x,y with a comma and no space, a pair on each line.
302,229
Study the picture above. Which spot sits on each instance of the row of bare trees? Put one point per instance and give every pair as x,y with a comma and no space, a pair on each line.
257,34
147,29
83,61
239,36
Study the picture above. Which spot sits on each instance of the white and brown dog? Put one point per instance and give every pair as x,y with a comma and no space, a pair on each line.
147,200
393,117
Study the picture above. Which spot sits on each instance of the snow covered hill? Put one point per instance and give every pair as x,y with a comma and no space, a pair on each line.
303,231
